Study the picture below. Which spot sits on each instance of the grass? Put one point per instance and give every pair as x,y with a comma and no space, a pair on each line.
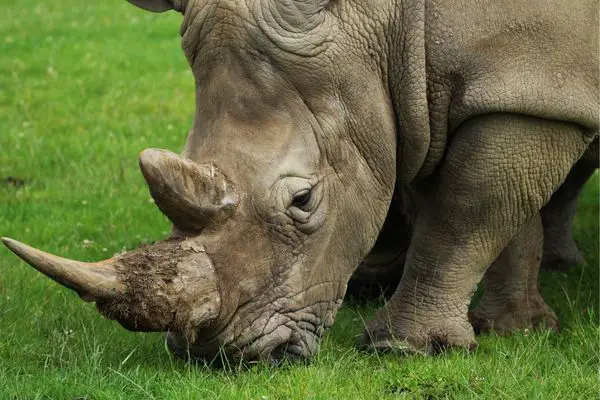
84,86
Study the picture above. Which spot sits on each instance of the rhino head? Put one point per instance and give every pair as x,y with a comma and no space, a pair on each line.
281,190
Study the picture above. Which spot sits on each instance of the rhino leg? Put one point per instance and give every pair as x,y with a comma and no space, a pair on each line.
379,273
560,250
500,169
511,300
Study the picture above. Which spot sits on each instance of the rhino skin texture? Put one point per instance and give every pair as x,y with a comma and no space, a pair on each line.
379,273
311,117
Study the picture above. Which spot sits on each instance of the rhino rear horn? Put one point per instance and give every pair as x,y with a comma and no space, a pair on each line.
191,195
92,281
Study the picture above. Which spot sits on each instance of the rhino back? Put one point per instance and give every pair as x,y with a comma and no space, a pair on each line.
537,57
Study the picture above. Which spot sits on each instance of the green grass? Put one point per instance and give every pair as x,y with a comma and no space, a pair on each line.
84,86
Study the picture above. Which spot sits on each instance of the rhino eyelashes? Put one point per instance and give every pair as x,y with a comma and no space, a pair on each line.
191,195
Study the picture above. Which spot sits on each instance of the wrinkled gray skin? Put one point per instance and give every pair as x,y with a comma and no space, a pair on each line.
482,109
379,273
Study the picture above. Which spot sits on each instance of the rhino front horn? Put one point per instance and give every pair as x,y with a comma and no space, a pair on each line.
191,195
92,281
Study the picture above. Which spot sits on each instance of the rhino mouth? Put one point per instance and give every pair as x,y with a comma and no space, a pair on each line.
283,344
276,342
293,350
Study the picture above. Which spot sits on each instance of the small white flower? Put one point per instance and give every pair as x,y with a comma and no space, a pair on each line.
51,71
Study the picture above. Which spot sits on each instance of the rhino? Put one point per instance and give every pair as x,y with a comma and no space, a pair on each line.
310,116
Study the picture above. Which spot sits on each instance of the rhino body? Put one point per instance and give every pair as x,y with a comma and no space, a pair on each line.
310,114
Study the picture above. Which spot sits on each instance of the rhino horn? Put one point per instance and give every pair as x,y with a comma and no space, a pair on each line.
92,281
191,195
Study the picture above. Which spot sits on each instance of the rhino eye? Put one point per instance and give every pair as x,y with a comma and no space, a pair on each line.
302,199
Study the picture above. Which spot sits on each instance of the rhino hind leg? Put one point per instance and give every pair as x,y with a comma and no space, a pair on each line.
560,249
511,300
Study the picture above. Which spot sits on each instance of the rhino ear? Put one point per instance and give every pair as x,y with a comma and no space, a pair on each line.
153,5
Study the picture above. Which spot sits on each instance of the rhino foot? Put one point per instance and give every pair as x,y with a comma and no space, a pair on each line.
411,336
532,313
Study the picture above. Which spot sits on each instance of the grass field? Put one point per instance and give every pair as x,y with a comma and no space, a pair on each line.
84,86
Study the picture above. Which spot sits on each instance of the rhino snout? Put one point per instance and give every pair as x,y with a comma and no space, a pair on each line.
167,286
